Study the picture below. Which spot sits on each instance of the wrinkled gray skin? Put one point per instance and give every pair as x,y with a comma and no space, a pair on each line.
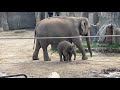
61,26
66,49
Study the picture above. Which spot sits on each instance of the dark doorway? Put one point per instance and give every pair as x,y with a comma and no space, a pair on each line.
21,20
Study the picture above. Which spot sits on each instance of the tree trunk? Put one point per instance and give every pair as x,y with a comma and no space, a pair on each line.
95,18
39,16
85,14
72,14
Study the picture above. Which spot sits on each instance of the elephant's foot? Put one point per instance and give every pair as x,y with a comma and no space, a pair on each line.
47,59
67,61
61,60
84,58
91,55
35,58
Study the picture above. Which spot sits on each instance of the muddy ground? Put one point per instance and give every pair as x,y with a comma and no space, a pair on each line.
16,58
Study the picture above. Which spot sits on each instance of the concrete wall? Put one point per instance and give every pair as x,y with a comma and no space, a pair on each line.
21,20
17,20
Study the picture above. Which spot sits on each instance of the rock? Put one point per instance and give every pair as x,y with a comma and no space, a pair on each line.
2,74
111,75
54,75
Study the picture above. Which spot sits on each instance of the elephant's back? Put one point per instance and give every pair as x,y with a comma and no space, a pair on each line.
53,22
54,27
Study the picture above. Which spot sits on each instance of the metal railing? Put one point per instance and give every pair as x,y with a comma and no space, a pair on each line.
56,37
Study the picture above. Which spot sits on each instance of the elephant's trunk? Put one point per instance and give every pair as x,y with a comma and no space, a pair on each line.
88,44
74,56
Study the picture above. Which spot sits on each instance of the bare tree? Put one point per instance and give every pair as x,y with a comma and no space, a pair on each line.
39,16
106,19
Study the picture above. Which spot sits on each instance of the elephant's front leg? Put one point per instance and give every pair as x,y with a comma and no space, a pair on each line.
78,43
45,54
35,54
66,55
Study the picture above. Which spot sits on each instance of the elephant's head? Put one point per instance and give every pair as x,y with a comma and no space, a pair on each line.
84,26
72,50
84,30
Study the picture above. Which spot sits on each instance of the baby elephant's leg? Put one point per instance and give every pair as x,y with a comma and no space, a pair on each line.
70,55
60,54
66,55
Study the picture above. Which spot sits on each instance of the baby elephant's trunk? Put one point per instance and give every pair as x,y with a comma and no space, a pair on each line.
74,56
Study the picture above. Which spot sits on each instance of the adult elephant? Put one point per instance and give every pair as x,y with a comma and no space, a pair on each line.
61,26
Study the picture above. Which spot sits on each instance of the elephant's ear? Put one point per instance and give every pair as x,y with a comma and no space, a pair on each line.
83,26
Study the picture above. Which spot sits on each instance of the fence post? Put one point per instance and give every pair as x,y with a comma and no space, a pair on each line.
113,37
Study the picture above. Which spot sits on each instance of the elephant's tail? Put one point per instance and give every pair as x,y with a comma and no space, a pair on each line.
34,39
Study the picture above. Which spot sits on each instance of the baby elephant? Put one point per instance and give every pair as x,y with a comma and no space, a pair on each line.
66,49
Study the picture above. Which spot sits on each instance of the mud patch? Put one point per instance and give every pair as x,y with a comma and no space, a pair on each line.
109,73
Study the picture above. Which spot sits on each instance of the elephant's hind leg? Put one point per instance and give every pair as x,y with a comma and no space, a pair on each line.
37,48
45,53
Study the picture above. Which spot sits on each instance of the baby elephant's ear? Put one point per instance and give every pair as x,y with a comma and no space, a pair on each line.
74,46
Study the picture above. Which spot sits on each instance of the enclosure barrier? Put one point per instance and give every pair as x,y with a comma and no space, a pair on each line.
48,38
56,37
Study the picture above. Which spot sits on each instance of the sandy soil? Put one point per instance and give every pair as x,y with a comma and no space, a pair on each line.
16,58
